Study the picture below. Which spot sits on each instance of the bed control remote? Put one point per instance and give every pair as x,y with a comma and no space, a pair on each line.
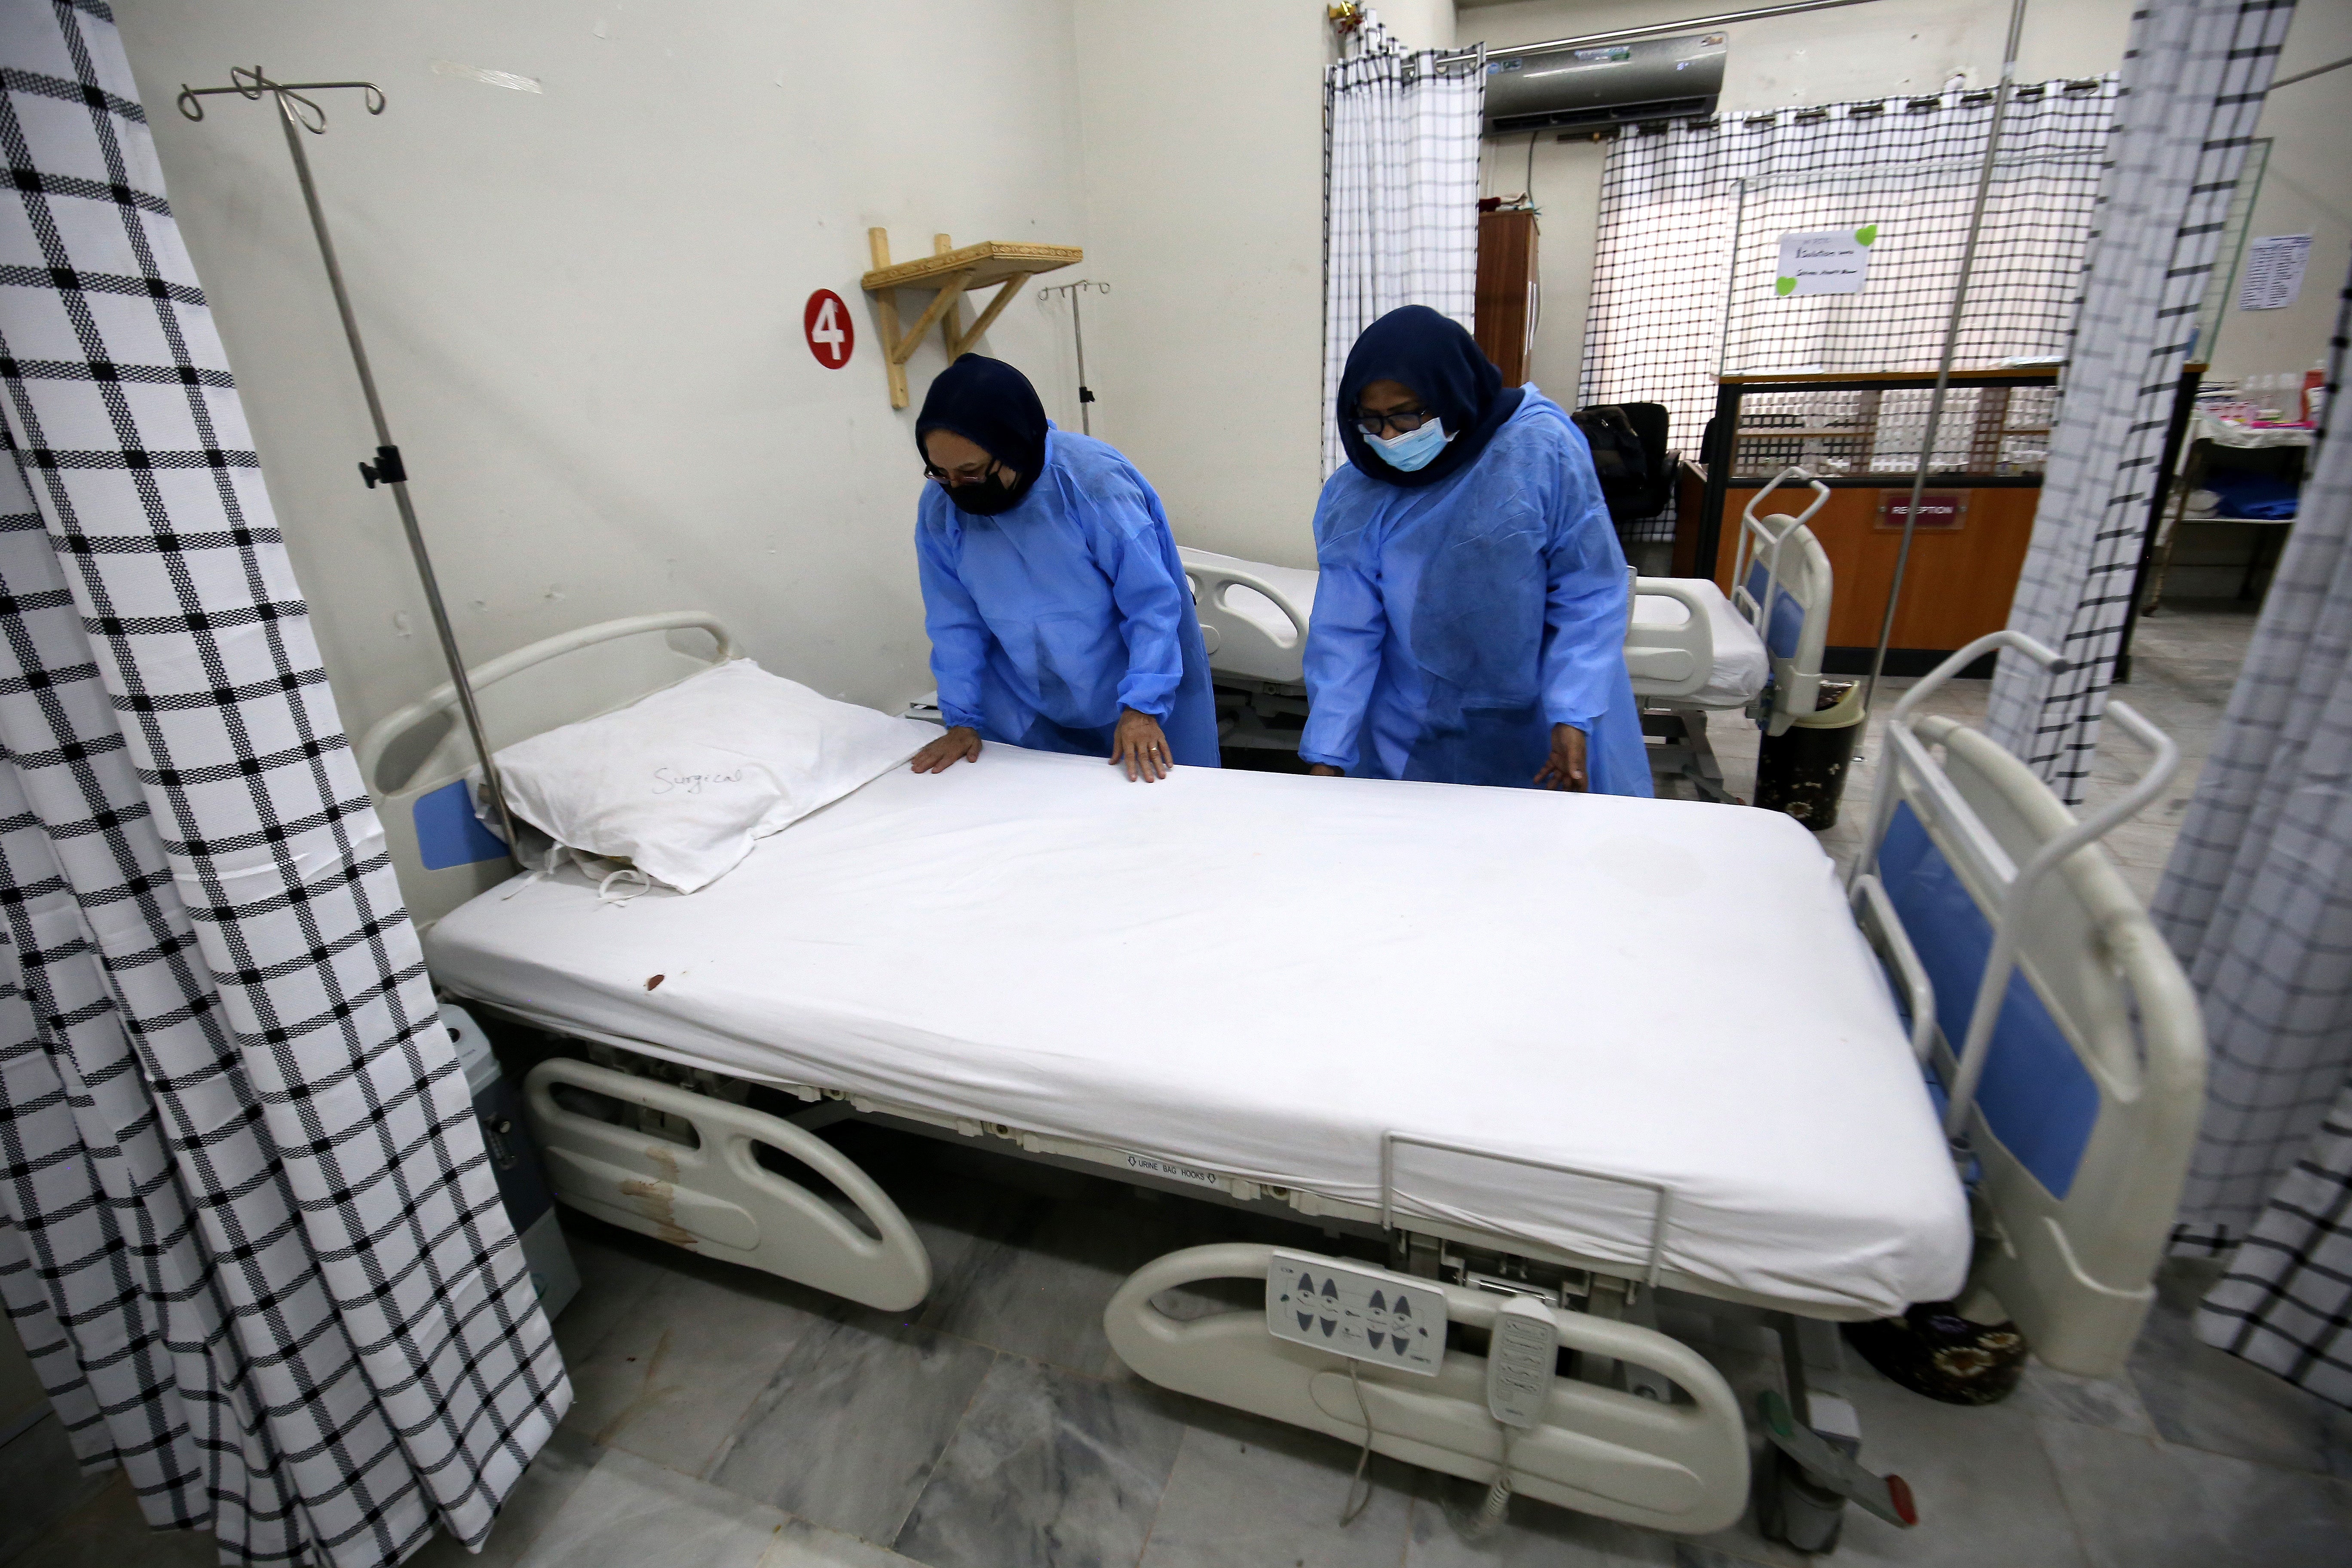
1520,1361
1350,1310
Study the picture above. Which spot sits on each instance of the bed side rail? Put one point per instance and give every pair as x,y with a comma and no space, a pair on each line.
714,1195
2067,1041
1667,662
1676,1465
1781,584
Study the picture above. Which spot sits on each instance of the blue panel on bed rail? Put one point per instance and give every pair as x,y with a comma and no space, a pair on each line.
449,834
2036,1095
1788,616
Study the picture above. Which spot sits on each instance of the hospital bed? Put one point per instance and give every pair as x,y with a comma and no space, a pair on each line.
1689,649
1457,1075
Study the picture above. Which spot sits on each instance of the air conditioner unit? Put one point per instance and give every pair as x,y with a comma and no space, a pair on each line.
1613,84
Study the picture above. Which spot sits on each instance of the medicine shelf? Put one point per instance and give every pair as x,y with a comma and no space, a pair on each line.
951,271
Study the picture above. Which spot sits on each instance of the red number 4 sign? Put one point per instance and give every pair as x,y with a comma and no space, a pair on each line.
831,335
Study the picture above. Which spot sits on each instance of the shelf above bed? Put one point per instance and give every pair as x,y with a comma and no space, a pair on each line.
951,271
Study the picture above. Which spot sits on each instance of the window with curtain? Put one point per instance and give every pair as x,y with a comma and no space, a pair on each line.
1687,254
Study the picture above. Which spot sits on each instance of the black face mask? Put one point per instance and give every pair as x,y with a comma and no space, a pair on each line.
987,497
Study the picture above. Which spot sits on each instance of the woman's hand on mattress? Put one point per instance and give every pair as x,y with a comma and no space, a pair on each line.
1325,770
1564,769
960,744
1140,746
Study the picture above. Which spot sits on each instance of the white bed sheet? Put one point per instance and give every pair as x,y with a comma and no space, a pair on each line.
1740,667
1263,974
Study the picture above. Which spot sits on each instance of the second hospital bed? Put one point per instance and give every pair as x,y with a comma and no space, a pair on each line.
1453,1066
1689,648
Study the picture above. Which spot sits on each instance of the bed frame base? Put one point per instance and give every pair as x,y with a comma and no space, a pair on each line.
1680,1466
1684,751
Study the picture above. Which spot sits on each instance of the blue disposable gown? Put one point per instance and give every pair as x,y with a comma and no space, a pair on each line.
1456,623
1049,617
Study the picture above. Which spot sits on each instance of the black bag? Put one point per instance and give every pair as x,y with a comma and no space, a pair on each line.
1629,455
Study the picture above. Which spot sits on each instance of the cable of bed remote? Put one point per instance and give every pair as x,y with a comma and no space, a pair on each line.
1499,1498
1362,1480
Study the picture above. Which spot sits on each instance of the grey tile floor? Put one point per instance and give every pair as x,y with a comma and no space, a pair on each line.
722,1417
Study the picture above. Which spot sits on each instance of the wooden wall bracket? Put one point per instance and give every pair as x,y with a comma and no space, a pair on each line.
950,272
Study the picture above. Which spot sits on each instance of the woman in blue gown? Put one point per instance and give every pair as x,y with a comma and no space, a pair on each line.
1469,623
1059,613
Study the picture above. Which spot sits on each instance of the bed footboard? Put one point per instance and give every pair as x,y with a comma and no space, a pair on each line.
714,1197
1680,1466
2067,1042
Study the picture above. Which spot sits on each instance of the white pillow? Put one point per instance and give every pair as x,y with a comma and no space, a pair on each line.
681,782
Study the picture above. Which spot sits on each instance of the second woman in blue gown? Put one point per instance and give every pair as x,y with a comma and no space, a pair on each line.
1469,623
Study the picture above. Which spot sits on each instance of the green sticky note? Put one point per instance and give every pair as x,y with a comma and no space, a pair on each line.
1867,233
1784,285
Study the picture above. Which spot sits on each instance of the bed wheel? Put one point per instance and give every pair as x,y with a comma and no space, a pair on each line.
1793,1510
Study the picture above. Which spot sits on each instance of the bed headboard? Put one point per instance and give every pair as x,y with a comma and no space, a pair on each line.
2068,1043
1781,584
414,761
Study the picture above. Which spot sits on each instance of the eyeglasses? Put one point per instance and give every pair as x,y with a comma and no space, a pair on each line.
1403,421
968,473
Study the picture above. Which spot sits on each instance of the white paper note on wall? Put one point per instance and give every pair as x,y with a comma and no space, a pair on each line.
2274,274
1824,261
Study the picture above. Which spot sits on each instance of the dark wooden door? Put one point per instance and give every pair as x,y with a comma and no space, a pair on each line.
1507,280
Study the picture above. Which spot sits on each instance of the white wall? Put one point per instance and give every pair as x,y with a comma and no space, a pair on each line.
1826,57
2307,189
1418,23
1204,134
584,304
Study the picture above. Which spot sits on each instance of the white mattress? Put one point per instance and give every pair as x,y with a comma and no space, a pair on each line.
1264,975
1740,667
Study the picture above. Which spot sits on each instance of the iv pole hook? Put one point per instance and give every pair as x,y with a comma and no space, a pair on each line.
298,115
1078,330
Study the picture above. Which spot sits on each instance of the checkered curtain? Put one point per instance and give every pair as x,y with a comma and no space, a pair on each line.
247,1229
1686,248
2194,75
2258,903
1400,196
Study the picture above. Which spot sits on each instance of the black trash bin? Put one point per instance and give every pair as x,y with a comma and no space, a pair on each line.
1802,770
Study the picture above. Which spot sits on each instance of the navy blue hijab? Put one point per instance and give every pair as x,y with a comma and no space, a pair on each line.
993,405
1441,363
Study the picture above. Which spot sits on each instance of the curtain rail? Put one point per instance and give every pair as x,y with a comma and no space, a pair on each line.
1659,30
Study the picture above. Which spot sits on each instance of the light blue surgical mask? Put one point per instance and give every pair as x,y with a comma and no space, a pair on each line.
1415,449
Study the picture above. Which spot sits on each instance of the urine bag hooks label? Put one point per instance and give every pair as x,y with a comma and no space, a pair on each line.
1146,1165
832,336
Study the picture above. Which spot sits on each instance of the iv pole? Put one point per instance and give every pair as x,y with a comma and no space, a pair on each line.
298,114
1077,328
1951,344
